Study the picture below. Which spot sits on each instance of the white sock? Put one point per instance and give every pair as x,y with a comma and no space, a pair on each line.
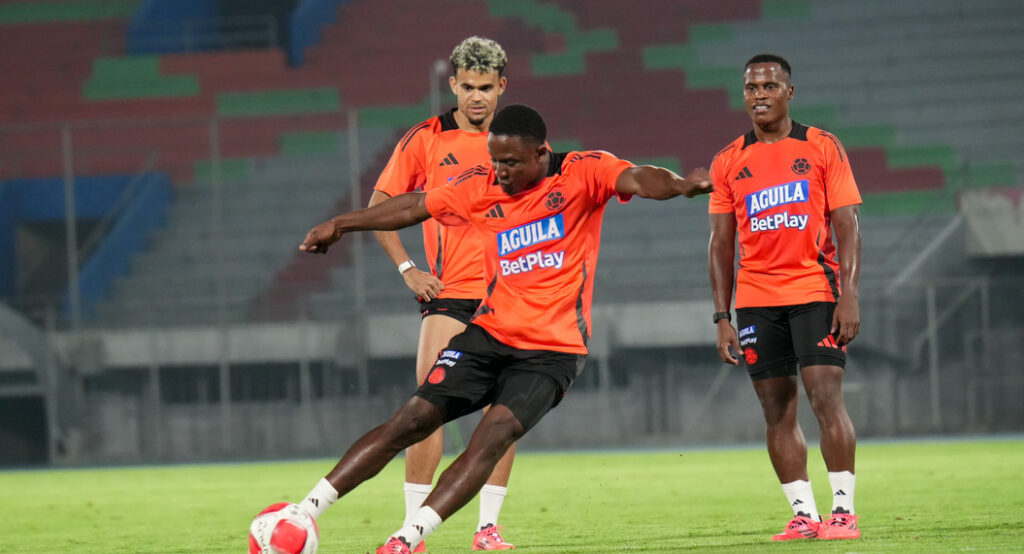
801,498
491,498
842,490
424,522
415,494
320,498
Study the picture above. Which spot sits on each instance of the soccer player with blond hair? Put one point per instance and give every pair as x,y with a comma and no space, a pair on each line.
429,156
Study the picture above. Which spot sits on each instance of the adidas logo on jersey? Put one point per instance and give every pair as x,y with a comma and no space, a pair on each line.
744,173
496,212
449,160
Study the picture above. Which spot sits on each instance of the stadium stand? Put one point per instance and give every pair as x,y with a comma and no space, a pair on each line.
583,59
260,147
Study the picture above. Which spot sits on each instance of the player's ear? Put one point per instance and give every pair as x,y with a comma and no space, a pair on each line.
451,83
542,151
501,85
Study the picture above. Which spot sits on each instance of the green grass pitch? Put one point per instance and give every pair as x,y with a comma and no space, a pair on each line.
926,496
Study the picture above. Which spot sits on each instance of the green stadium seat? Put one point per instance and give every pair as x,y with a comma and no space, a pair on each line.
135,77
20,13
310,142
278,102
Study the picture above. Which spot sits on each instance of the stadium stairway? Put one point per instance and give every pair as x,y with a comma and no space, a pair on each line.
683,123
571,60
264,216
897,92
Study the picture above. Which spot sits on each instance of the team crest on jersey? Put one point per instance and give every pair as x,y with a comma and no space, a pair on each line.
436,376
801,166
535,232
554,201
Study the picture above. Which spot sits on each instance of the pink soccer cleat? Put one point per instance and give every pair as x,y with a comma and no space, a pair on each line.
840,526
489,538
800,527
395,545
421,547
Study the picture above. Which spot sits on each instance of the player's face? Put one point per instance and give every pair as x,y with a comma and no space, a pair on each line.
766,93
518,165
477,95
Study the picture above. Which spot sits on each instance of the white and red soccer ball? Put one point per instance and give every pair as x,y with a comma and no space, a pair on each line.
283,528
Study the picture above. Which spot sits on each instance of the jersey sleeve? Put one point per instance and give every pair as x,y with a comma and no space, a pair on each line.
840,187
602,170
406,169
452,205
721,200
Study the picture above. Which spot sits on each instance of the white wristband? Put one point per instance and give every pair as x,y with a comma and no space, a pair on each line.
405,266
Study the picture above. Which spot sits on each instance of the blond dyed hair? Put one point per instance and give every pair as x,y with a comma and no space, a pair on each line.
478,54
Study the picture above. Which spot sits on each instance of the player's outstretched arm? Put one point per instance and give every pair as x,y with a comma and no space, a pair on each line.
422,284
846,319
647,181
721,259
395,213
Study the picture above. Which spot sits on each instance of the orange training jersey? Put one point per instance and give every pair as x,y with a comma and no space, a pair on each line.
429,156
540,247
782,195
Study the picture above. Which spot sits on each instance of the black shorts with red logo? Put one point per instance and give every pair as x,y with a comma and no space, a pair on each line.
462,309
778,339
475,370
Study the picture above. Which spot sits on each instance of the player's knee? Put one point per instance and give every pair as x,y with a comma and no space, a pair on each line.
825,397
778,409
416,420
502,425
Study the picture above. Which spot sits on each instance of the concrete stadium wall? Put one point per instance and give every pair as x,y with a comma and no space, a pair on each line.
643,414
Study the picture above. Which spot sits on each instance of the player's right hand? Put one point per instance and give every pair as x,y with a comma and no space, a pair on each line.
727,339
700,181
423,284
320,238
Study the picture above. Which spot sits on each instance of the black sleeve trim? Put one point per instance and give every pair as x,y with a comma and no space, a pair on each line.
412,132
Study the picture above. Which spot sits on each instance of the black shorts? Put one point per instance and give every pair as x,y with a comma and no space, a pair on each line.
475,370
461,309
776,340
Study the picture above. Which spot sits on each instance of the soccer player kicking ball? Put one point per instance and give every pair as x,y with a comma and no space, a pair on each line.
539,214
429,156
784,187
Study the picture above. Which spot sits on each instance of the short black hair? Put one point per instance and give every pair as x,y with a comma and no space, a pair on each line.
518,120
771,58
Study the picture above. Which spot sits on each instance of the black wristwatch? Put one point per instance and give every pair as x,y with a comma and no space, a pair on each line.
720,316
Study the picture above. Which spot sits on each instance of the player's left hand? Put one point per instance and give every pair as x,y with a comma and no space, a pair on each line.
728,342
320,238
700,181
845,320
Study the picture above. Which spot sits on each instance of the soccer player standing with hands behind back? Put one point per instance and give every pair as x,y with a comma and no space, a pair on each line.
784,187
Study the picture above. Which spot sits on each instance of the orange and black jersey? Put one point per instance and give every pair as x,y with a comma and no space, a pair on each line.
540,247
431,155
782,195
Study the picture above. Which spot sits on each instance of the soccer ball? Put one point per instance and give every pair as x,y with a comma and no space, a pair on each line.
283,528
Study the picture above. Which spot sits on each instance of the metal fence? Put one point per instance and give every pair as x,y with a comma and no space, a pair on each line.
219,341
